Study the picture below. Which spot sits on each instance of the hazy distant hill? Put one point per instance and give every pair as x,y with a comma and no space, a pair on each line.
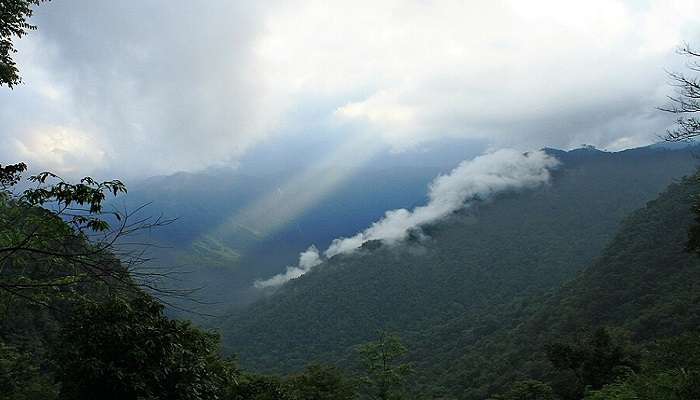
444,294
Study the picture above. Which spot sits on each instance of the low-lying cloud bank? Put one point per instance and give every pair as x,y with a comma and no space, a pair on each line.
472,180
307,260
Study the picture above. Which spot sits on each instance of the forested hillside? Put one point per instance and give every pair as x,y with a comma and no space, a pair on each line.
645,284
334,200
444,293
75,325
79,321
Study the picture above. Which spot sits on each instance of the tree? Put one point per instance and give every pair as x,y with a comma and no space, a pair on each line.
21,378
686,101
384,376
599,359
670,372
319,382
13,24
258,387
56,236
528,390
125,348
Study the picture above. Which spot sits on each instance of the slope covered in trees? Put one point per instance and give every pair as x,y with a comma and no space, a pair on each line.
76,322
93,337
644,285
473,277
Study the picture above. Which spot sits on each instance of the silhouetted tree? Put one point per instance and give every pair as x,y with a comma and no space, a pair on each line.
56,235
686,101
13,24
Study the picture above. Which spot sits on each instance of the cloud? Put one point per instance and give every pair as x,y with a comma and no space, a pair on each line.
160,86
307,260
523,74
58,148
475,180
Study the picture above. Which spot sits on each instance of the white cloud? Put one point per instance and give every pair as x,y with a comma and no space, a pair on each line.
480,178
58,148
474,180
307,260
517,73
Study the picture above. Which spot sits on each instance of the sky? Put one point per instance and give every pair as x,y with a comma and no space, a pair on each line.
139,88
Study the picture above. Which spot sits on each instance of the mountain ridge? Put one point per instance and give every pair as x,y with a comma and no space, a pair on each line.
471,261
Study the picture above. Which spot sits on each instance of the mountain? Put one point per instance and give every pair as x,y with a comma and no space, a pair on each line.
237,225
644,282
473,277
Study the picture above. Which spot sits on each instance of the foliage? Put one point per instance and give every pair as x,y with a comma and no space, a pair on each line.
81,203
645,283
686,102
101,340
475,276
316,382
671,372
127,349
10,175
21,377
56,236
598,360
319,382
479,301
91,335
258,387
693,243
528,390
383,376
13,24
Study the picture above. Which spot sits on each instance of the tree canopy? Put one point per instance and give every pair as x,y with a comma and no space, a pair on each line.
686,101
14,16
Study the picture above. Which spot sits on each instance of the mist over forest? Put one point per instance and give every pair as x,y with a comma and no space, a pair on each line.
324,200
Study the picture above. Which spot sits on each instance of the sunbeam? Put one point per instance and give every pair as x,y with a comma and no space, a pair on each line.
279,207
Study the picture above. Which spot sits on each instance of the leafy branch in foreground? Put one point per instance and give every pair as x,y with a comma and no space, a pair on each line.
686,101
56,237
13,24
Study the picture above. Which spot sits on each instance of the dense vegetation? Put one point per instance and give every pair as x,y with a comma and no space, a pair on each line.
531,297
644,286
480,317
76,323
14,16
470,301
517,245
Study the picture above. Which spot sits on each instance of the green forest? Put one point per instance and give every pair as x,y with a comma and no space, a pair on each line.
586,287
463,348
77,325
